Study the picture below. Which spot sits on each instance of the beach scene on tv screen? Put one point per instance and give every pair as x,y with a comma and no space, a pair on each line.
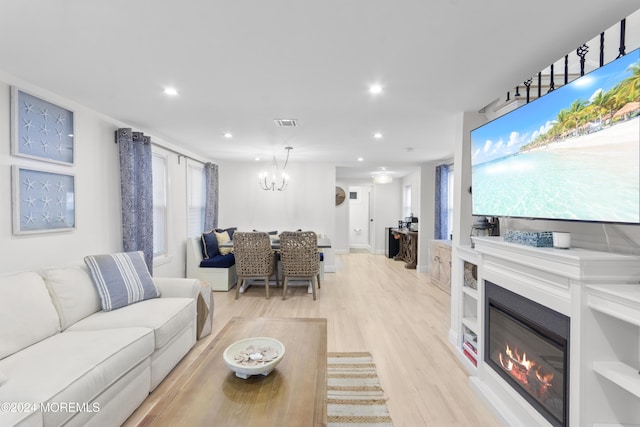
573,154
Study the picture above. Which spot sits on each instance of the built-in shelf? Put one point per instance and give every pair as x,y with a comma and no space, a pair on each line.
473,293
620,374
465,263
471,323
598,291
618,301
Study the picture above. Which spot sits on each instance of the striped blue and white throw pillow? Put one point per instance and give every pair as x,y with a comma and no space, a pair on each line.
121,279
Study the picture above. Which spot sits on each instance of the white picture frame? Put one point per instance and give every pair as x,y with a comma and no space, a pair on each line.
43,201
40,129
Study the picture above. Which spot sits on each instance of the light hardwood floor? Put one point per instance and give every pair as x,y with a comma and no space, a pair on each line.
372,304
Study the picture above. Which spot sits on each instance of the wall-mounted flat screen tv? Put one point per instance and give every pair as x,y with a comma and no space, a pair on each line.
572,154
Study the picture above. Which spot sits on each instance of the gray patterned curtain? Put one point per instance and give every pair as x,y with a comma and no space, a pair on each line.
211,205
442,203
136,192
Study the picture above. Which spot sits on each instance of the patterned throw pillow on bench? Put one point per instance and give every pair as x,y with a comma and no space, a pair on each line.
213,238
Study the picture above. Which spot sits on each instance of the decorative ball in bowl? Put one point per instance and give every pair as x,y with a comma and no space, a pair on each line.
253,356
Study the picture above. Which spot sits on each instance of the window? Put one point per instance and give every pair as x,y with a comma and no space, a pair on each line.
196,189
406,209
444,202
450,202
159,171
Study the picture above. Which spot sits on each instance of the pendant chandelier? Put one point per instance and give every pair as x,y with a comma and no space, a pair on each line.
277,179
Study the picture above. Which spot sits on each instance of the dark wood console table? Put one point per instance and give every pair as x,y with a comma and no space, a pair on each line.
408,247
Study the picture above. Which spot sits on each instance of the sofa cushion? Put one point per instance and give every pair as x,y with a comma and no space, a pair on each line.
121,279
27,314
219,261
166,316
73,367
209,245
73,293
223,237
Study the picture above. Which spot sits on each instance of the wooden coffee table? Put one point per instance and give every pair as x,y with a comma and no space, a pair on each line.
294,394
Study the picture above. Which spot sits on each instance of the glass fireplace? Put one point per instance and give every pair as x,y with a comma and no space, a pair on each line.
528,346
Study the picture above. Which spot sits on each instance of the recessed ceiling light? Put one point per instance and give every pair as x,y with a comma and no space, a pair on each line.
375,89
377,135
228,135
170,91
360,159
257,159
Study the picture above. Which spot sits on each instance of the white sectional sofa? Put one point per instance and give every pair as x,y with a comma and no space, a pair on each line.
64,361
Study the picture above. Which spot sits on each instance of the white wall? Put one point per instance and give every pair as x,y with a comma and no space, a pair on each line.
386,211
97,180
341,212
97,185
427,214
413,179
307,203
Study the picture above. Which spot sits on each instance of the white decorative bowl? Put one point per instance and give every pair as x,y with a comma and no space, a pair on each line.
243,371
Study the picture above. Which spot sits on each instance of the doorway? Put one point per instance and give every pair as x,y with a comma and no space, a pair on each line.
360,230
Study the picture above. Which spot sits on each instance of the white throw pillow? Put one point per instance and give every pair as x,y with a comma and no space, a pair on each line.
121,279
223,237
73,293
27,314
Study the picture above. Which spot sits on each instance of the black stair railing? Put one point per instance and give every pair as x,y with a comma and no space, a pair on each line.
581,52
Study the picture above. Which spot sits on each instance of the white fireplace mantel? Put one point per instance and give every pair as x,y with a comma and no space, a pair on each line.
598,291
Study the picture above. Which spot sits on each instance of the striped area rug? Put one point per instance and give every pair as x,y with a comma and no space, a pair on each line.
354,395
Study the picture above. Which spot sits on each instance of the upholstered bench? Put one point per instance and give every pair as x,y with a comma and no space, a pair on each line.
218,271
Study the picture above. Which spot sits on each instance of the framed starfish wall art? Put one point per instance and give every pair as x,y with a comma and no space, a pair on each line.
40,129
42,201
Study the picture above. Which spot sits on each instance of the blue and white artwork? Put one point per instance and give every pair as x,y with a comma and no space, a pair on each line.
43,201
41,130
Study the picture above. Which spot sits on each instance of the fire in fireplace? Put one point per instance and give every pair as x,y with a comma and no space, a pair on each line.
528,346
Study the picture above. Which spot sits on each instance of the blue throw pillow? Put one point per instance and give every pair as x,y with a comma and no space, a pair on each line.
209,245
121,279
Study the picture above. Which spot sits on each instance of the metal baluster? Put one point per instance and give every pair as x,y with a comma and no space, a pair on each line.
602,48
582,53
623,27
527,84
539,84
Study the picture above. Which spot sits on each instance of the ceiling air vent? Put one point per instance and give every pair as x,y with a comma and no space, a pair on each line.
286,123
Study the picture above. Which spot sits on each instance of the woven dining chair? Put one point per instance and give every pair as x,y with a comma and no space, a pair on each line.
254,258
300,258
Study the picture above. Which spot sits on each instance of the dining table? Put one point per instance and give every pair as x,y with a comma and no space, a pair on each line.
323,243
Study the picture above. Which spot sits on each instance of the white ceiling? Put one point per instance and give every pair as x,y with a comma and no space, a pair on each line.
238,65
